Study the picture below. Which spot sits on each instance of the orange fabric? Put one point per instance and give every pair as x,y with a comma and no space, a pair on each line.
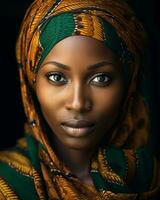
133,128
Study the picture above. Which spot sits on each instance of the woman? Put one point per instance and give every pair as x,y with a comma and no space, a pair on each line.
87,123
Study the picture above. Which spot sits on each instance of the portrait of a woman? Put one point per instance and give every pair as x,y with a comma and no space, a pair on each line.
88,125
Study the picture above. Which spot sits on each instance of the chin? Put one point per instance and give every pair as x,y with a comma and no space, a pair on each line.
79,144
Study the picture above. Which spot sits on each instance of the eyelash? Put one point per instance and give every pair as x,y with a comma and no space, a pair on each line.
105,75
49,75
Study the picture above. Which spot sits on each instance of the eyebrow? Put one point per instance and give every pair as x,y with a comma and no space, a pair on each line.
91,67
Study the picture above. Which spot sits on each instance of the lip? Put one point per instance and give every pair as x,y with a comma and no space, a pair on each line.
78,123
77,128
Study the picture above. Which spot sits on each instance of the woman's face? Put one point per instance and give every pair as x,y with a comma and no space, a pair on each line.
80,87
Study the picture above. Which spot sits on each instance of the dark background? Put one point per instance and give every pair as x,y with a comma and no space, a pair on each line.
12,114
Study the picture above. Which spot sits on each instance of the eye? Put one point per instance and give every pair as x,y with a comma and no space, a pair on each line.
101,79
56,77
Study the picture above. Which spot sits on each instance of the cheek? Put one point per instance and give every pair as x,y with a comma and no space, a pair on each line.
51,100
108,102
46,100
43,95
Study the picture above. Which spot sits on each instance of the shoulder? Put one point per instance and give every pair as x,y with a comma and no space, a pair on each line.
137,167
16,173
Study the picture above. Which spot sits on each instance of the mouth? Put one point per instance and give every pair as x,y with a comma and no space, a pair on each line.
78,128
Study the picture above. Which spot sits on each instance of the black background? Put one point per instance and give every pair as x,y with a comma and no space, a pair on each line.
11,113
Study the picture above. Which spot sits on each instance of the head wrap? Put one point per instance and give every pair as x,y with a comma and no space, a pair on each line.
49,21
69,24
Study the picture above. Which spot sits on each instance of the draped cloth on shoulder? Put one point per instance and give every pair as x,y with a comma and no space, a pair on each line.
133,127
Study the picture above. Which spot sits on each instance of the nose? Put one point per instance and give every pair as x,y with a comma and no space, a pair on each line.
79,99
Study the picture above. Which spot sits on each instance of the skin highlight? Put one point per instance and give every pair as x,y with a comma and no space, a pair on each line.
80,79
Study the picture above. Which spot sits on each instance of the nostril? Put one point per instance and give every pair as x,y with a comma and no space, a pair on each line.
79,106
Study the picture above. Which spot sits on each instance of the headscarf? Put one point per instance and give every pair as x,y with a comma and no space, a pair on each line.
46,23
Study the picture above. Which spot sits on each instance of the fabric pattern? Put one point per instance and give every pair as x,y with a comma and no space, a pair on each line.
34,162
20,180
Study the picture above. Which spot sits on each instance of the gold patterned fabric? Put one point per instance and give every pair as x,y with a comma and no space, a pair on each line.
6,192
132,130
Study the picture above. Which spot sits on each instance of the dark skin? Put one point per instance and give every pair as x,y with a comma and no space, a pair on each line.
79,79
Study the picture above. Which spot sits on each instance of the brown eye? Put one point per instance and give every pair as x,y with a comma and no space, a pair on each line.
102,79
56,78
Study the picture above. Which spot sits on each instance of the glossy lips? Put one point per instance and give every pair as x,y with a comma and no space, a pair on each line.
77,128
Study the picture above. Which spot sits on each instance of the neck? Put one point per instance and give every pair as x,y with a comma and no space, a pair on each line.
77,160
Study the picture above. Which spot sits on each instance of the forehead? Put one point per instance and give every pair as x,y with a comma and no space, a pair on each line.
81,54
79,47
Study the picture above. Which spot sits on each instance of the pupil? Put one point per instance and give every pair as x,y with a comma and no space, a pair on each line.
57,77
101,78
